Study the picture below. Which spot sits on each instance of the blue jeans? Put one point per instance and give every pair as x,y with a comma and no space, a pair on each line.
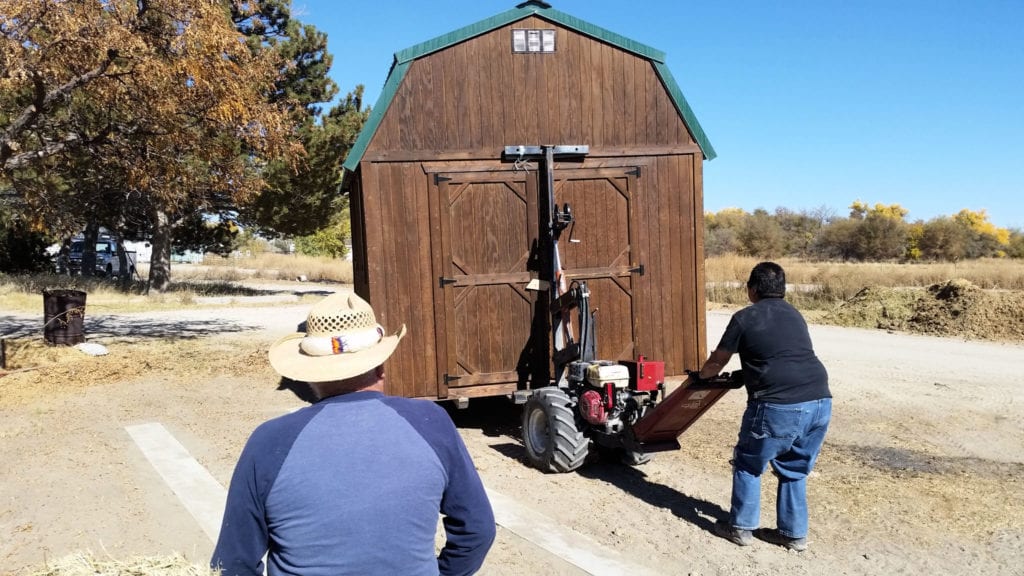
789,437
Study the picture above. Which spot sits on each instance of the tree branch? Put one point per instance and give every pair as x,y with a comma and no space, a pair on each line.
42,101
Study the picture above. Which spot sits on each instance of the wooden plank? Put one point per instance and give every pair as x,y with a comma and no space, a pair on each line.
457,122
634,260
612,90
419,81
482,379
651,89
483,390
677,228
451,336
603,272
358,218
642,293
390,312
544,127
384,156
583,72
477,107
438,305
421,301
373,227
665,288
700,279
404,108
500,70
517,133
573,128
595,68
490,279
628,105
692,311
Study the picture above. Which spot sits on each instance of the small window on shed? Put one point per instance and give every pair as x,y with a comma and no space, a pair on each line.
524,40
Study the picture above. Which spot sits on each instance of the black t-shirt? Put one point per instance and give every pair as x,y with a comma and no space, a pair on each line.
775,351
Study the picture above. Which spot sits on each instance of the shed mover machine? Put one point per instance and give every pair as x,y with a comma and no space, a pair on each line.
615,405
456,234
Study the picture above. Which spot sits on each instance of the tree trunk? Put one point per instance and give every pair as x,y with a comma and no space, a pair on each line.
160,261
125,268
89,238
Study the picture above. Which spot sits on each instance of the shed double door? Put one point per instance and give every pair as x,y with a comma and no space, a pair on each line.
492,329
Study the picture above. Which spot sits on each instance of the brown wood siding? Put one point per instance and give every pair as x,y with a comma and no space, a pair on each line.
669,316
402,291
453,115
665,303
478,95
357,215
700,306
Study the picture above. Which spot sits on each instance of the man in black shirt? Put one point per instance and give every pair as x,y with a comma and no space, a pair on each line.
788,409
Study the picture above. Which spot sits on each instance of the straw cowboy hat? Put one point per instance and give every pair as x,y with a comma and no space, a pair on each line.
342,340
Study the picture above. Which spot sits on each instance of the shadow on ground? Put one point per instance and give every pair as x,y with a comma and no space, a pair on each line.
129,328
499,417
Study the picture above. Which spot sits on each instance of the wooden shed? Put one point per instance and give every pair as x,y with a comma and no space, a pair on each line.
449,230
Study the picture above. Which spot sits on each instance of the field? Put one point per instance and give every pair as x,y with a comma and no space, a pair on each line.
919,473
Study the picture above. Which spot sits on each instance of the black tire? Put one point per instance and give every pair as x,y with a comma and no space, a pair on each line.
551,435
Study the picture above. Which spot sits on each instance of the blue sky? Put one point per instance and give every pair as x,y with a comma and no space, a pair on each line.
808,103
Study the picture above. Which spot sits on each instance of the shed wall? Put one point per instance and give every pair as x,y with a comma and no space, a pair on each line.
455,111
478,95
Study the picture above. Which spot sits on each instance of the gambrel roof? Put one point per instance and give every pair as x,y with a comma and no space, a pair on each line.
404,58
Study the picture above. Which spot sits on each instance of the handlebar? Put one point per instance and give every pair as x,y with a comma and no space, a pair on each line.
732,379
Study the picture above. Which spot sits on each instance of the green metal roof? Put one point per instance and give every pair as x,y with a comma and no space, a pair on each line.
404,57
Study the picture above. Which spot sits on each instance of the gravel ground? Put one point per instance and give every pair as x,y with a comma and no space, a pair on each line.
919,473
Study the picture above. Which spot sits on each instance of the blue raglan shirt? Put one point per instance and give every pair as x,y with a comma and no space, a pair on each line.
354,485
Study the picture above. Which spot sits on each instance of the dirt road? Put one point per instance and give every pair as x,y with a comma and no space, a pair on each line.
920,472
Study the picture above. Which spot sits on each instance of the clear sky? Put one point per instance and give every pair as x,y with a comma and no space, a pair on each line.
808,103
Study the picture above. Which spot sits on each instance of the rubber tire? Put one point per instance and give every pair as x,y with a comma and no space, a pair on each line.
551,435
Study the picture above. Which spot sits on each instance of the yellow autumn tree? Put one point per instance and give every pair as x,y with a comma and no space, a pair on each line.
988,239
154,104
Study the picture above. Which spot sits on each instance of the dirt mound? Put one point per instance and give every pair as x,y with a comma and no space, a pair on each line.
953,308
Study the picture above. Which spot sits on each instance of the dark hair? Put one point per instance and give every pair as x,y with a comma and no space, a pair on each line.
768,280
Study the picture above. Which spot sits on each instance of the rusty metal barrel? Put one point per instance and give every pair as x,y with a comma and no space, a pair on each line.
64,317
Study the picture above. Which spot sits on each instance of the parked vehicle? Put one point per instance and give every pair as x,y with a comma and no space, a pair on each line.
107,261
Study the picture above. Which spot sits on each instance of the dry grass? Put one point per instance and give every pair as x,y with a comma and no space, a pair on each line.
822,285
85,564
216,277
278,267
35,370
25,293
1007,274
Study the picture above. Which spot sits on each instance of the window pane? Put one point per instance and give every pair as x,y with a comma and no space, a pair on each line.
519,40
548,40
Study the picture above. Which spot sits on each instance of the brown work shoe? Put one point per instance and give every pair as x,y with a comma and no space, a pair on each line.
780,539
734,535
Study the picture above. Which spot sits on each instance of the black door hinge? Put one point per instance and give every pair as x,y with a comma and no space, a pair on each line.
449,378
442,281
638,270
438,179
634,172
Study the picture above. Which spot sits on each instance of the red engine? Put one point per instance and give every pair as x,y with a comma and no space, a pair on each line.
592,407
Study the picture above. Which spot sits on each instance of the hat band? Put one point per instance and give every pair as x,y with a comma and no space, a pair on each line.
345,343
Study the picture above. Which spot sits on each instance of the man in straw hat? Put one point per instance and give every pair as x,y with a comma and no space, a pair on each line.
354,483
